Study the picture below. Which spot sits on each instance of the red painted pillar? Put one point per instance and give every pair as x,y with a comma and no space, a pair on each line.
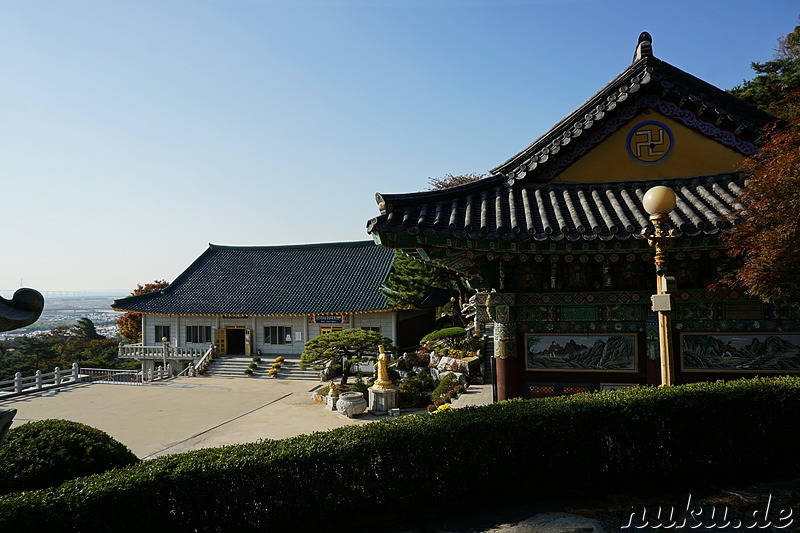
506,362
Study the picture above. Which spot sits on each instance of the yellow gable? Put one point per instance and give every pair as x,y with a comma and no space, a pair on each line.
652,146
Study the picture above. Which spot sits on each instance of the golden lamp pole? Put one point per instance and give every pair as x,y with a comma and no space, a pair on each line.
659,201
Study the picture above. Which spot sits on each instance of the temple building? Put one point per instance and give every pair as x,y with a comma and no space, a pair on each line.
553,241
269,300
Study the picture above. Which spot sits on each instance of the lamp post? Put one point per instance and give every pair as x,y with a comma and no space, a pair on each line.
659,201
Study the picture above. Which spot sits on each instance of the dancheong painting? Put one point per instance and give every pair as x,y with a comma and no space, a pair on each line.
771,352
581,352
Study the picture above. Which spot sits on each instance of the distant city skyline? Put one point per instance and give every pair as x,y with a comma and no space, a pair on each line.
136,133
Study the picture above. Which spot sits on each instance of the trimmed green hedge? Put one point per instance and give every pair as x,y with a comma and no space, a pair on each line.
48,452
704,432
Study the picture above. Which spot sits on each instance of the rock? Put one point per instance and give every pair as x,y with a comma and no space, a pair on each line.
418,370
453,364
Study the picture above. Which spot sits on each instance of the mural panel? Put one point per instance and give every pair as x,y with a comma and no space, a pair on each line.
581,352
741,352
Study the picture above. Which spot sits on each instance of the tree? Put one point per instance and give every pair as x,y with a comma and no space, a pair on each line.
767,232
453,180
775,79
341,349
409,281
85,328
130,324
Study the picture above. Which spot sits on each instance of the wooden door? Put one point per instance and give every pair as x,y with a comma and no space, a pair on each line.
219,341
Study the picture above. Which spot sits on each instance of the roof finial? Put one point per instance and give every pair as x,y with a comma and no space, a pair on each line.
644,47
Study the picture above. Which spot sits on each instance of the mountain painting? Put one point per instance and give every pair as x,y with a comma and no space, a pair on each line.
742,352
581,352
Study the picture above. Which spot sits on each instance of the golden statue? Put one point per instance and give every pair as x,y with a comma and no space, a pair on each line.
383,381
333,389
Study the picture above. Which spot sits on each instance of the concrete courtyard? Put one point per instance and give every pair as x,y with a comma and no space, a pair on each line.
192,413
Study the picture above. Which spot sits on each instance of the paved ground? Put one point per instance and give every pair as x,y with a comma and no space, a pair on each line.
192,413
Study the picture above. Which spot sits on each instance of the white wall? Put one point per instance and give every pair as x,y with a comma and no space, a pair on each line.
302,331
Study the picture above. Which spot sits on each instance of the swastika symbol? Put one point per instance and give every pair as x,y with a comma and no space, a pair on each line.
650,142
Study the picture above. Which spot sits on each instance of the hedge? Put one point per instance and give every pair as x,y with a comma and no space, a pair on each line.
47,452
704,432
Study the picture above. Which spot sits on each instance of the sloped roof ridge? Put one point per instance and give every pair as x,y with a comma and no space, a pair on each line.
643,72
639,66
340,244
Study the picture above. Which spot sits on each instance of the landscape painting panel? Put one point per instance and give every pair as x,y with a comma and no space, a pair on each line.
741,352
581,352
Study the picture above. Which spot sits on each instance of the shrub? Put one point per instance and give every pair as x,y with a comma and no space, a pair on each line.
359,386
248,371
256,359
410,395
450,336
445,385
628,439
45,453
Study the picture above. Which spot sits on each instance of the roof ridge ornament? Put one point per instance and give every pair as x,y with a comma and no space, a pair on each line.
644,47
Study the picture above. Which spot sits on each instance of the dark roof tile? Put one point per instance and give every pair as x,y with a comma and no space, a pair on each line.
275,280
555,211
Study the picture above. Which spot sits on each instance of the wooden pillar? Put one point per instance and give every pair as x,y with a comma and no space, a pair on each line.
506,361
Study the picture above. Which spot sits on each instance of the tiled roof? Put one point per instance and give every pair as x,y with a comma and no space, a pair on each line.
275,280
648,83
490,209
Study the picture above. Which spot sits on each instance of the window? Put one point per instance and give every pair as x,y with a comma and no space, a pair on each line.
376,329
328,329
277,334
198,334
162,332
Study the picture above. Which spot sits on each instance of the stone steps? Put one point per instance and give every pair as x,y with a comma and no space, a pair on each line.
233,366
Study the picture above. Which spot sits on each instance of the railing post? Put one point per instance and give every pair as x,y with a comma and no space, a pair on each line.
75,372
57,376
119,351
38,379
17,382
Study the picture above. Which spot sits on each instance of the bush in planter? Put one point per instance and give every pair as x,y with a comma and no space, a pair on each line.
248,371
45,453
256,359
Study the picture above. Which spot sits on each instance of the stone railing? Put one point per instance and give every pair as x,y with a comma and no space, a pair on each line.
139,351
42,381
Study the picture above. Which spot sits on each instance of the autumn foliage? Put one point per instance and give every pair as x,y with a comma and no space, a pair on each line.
767,233
130,324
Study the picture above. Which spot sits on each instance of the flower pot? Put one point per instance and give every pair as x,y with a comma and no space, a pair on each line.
351,404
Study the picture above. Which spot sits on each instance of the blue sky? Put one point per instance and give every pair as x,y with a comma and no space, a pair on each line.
132,134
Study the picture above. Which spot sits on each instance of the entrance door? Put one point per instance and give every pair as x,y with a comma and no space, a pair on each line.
236,342
219,341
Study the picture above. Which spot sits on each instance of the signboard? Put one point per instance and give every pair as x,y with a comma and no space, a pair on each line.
329,318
